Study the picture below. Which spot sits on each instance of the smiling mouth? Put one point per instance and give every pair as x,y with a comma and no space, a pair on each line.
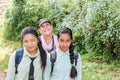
30,48
64,47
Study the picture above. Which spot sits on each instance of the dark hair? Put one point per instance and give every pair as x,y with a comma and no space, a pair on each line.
31,30
73,73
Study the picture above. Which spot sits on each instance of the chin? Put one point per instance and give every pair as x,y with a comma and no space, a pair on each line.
64,50
31,49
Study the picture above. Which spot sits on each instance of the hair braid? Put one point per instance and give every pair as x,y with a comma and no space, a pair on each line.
71,54
73,72
43,55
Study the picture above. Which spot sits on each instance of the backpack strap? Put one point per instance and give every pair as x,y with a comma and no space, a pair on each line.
53,56
75,57
18,57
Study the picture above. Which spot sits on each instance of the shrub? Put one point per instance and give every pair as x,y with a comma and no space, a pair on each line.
98,23
103,27
22,14
95,23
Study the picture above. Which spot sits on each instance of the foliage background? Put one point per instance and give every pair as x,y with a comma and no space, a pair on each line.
95,23
88,19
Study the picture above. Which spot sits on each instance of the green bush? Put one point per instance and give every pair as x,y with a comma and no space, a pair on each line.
102,29
95,23
22,14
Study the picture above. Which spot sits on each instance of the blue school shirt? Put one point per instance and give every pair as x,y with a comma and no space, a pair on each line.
62,67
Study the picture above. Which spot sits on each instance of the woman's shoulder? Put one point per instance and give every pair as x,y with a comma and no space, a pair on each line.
54,36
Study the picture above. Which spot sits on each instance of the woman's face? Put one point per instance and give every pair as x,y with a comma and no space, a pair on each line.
46,29
64,41
30,42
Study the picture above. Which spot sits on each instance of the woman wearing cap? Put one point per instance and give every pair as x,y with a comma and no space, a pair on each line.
49,41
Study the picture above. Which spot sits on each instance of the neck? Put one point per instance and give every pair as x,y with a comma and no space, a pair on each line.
32,53
48,39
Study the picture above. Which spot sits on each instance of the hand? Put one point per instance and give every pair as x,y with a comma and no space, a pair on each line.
4,73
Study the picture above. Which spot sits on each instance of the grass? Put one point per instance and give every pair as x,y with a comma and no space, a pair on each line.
4,58
99,71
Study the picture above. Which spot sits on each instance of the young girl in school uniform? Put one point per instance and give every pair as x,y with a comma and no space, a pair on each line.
65,67
33,60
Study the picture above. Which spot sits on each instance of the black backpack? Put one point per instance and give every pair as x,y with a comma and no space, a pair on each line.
53,56
18,58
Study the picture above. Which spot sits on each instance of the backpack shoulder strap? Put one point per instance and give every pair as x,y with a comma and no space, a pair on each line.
75,57
18,57
53,56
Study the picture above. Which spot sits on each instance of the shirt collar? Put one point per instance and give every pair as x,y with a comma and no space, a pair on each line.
26,53
61,52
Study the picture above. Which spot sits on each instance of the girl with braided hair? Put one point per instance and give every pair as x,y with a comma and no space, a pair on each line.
66,66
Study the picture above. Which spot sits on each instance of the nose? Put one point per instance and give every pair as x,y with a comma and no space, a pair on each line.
64,44
29,43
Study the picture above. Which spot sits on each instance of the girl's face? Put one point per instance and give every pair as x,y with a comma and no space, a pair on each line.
46,28
30,42
64,41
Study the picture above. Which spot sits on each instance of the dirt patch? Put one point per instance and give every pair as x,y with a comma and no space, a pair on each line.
116,75
3,5
97,60
4,50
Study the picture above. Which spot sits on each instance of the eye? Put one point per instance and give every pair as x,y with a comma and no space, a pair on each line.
25,41
61,40
41,26
47,24
68,40
32,40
